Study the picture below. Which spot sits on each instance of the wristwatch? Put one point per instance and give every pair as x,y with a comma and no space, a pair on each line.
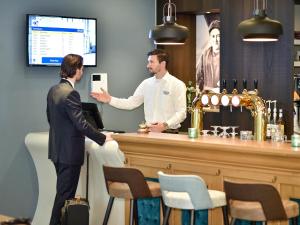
166,126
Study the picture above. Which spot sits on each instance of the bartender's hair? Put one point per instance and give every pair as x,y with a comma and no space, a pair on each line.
161,55
70,64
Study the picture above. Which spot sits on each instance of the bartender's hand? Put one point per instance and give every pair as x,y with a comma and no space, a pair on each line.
108,136
157,127
101,96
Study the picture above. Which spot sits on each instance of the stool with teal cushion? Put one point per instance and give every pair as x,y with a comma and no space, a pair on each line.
128,183
257,202
189,192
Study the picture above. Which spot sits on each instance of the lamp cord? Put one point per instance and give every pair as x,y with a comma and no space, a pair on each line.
169,4
264,5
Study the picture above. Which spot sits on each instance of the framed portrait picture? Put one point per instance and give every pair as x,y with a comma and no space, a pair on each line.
208,53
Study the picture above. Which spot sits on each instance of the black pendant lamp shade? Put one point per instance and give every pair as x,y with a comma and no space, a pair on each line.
260,28
169,33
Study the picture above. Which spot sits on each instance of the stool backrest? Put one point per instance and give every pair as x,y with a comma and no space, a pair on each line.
133,177
265,194
191,184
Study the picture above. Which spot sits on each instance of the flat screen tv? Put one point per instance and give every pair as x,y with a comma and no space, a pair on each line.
50,38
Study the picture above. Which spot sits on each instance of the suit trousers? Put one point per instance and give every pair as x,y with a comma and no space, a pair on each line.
66,185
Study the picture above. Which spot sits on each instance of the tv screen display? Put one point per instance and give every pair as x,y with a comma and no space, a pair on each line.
50,38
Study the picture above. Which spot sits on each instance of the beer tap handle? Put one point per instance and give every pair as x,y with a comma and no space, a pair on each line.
255,83
244,84
255,86
224,84
244,90
234,83
234,91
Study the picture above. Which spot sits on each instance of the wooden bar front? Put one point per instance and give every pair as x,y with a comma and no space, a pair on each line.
214,159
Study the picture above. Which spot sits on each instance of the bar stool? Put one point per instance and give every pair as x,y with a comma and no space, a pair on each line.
189,192
128,183
258,202
6,220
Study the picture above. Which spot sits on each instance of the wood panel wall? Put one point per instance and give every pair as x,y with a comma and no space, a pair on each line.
270,63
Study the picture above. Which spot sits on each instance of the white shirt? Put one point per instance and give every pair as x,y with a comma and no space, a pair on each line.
164,100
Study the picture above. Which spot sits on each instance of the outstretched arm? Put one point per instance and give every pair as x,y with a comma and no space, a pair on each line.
101,96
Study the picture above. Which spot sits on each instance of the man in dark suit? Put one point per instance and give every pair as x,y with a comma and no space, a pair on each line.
68,128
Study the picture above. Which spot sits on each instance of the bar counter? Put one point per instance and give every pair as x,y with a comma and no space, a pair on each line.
215,159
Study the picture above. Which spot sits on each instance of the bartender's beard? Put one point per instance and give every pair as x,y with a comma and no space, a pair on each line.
152,73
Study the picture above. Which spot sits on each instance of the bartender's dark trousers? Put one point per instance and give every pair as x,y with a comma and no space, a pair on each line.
66,185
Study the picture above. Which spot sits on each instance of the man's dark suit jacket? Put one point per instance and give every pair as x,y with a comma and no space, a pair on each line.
68,126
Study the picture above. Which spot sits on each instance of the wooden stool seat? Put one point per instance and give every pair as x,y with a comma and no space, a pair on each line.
122,190
258,202
253,211
4,218
128,183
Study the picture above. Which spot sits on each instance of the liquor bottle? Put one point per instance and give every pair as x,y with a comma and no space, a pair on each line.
274,126
280,122
268,133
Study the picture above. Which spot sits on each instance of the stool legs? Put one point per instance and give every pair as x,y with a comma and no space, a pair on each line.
225,215
163,207
167,215
232,221
295,220
135,212
193,217
108,210
131,212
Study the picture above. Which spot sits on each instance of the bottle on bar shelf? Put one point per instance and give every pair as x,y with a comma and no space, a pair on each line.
269,125
274,120
280,122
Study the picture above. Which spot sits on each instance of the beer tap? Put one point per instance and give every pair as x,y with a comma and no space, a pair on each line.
246,99
224,91
255,86
224,98
235,100
255,91
244,92
234,91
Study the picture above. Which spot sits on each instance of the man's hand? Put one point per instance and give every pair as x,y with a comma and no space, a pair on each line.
108,136
157,127
101,97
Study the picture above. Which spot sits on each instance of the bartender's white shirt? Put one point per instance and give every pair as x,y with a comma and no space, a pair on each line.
164,100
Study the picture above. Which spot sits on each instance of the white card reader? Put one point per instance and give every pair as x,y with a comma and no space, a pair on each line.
98,81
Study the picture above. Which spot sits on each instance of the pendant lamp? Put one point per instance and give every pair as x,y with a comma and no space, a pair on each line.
169,33
260,28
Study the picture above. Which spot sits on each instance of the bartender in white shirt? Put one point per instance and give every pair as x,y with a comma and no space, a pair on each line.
163,95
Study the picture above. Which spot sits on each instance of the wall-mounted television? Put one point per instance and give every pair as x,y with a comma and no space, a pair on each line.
50,38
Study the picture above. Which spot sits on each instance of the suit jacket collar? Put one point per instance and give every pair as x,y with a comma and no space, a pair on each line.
66,81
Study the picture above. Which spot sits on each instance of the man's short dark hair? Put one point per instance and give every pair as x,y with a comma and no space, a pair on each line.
70,64
161,55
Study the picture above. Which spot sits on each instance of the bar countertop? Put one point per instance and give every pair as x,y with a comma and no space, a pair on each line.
226,150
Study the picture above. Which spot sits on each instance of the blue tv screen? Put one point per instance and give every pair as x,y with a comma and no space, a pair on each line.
50,38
